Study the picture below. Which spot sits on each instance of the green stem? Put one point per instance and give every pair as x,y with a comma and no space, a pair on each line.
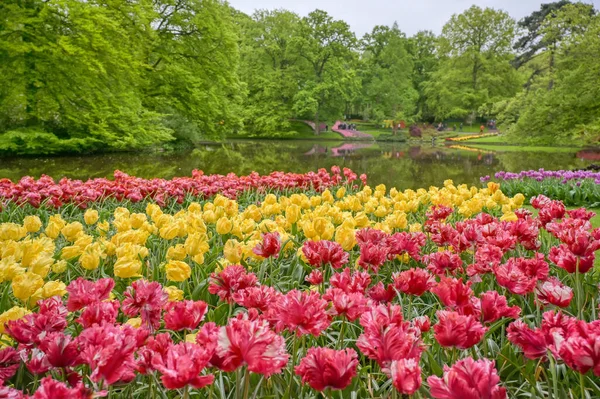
246,383
582,385
341,336
578,287
186,392
553,371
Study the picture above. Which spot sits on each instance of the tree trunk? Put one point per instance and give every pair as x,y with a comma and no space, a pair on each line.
317,125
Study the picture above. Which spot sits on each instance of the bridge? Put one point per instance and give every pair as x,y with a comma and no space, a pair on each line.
345,133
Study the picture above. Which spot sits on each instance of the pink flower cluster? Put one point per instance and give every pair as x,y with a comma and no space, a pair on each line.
47,191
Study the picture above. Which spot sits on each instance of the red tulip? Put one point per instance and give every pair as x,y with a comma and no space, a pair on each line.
301,312
386,337
98,313
552,291
455,294
382,294
185,315
443,262
520,275
468,379
61,350
372,256
409,243
84,292
349,305
324,368
182,364
581,348
321,253
355,282
406,375
414,281
52,389
9,363
456,330
146,299
315,277
231,279
250,342
531,342
260,298
109,352
495,306
269,247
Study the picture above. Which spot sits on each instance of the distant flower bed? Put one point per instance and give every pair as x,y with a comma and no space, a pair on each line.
471,137
451,292
580,187
51,193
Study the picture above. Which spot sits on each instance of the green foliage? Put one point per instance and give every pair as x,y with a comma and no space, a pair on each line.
84,76
387,75
562,102
475,69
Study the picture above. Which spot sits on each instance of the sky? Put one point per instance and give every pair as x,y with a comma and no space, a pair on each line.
411,15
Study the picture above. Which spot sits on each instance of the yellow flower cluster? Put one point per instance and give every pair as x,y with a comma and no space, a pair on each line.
471,137
164,246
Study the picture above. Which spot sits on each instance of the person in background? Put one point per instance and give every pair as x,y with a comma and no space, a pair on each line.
326,128
481,129
461,126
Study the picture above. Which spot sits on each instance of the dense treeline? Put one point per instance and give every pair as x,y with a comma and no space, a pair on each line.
82,76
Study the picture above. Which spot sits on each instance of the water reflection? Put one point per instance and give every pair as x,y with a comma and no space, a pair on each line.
397,165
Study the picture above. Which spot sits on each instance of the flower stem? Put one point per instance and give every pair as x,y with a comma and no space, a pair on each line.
341,336
246,383
579,287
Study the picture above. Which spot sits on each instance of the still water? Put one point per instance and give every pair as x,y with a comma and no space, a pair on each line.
396,165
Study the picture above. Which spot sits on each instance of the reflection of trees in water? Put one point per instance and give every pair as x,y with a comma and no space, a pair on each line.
393,164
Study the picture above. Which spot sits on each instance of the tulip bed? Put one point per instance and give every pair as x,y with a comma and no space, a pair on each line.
337,290
576,188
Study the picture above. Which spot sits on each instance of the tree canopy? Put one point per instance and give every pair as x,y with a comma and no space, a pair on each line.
95,75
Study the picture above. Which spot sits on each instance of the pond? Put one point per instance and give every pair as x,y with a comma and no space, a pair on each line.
397,165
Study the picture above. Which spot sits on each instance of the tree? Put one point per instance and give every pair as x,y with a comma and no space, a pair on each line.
270,70
538,42
387,81
71,77
475,71
562,103
423,49
326,46
192,68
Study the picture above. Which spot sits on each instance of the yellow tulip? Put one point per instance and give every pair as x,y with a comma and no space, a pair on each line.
196,243
233,251
71,231
224,225
59,267
137,220
135,322
345,237
12,231
54,288
340,193
41,264
9,269
128,266
24,285
178,271
177,252
70,252
91,216
103,228
33,224
175,294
